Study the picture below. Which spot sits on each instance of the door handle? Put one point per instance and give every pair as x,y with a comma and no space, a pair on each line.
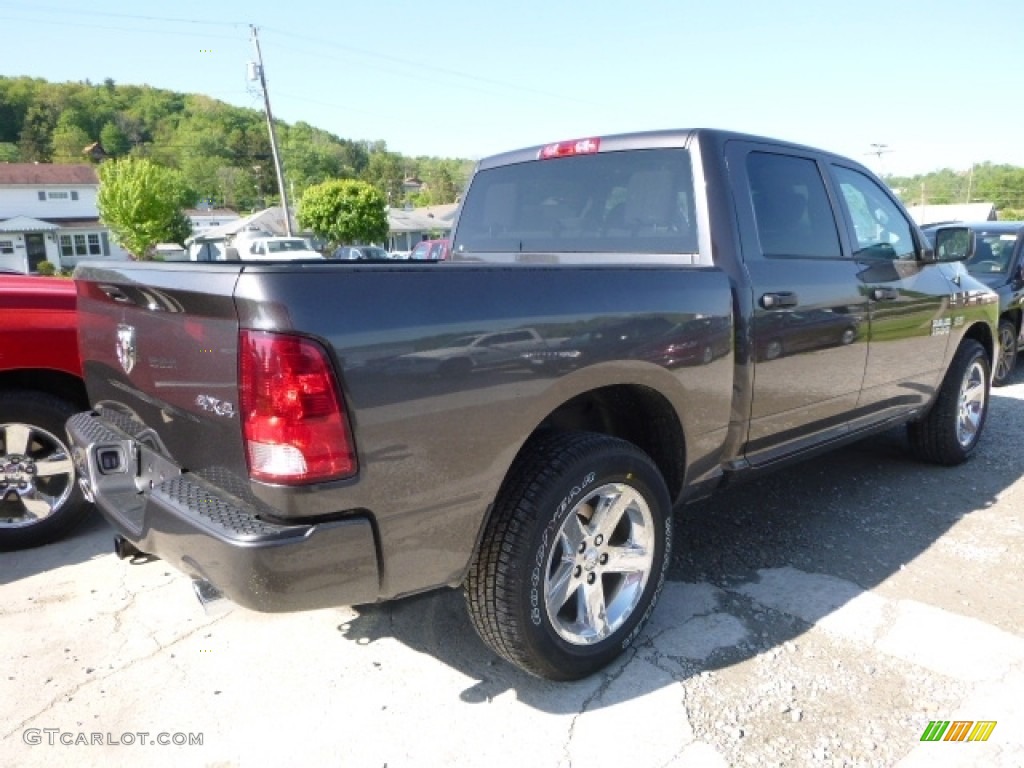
885,294
781,299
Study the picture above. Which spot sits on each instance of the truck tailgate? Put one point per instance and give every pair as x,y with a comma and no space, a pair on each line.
160,352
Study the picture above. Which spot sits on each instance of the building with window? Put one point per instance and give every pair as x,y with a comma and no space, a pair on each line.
205,217
48,213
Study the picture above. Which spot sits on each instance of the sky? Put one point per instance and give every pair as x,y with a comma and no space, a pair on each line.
903,86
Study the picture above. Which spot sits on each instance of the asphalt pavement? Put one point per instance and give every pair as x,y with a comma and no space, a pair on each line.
825,615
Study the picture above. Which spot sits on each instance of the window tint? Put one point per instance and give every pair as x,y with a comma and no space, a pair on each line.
879,228
794,217
993,253
614,202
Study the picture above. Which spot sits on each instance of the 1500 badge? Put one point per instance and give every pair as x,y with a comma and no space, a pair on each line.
214,405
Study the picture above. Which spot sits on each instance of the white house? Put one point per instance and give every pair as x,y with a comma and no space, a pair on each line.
934,214
205,218
408,227
48,213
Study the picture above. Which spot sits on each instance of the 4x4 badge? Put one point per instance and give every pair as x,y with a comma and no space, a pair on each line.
126,346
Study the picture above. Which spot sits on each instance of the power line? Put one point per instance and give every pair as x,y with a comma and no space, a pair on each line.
425,66
77,11
85,25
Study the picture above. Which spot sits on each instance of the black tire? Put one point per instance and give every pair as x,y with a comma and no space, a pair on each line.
950,431
525,552
773,350
1007,352
36,508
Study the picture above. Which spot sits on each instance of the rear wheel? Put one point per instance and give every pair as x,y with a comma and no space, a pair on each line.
950,431
1007,352
40,501
573,557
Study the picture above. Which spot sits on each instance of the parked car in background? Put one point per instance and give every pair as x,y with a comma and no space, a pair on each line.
998,261
474,352
791,332
40,387
432,250
359,253
277,248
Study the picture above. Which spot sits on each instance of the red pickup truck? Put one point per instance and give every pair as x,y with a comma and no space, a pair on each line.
40,387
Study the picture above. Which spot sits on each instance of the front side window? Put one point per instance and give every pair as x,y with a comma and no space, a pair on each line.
879,228
638,201
791,207
6,246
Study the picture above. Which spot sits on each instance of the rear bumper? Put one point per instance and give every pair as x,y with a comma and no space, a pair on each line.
211,535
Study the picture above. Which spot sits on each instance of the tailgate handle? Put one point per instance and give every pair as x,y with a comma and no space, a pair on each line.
116,294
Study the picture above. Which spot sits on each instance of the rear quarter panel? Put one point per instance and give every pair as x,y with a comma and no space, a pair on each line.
433,449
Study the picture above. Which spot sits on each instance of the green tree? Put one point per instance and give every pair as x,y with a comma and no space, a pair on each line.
141,202
69,138
386,172
344,211
114,140
36,133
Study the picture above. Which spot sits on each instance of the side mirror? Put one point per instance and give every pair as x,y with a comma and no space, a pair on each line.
953,244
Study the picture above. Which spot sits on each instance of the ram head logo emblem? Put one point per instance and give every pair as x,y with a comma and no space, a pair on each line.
126,354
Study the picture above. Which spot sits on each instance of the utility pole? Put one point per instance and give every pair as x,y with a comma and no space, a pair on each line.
878,150
273,135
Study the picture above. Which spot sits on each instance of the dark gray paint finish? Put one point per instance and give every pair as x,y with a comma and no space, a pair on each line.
434,441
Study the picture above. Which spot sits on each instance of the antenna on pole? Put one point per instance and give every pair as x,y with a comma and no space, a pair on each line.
878,150
256,72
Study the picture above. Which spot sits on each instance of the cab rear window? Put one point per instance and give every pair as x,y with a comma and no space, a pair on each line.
640,201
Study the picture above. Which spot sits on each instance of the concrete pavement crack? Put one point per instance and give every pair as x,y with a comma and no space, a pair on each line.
74,690
610,678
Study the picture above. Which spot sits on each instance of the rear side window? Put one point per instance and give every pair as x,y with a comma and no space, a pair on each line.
639,201
793,213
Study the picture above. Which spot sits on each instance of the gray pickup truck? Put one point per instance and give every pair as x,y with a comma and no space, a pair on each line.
712,304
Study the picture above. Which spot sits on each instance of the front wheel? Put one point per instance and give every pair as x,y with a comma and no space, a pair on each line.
573,556
1007,353
950,431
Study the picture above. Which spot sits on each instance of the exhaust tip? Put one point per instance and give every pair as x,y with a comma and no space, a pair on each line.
124,549
211,598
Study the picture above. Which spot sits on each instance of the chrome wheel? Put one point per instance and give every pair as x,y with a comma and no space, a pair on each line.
36,475
1007,351
971,409
599,565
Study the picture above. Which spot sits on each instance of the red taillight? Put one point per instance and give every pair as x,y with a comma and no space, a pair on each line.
294,425
569,148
